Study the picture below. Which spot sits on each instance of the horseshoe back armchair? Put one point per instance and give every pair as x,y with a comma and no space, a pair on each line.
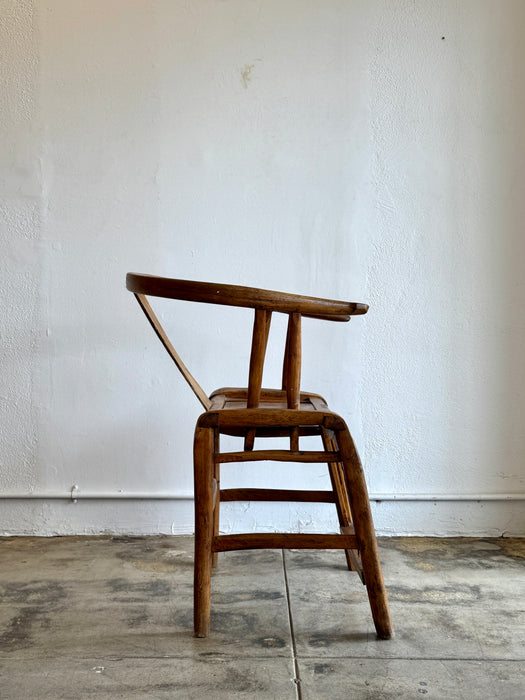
256,413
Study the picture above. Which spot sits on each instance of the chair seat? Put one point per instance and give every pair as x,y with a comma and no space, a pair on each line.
273,402
236,397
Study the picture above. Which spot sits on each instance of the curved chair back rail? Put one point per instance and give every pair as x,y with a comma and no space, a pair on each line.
251,297
264,302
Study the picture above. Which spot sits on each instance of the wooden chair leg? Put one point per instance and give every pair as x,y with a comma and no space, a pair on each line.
335,469
365,533
217,504
203,478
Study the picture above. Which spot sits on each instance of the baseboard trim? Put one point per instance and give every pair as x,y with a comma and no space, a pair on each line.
76,495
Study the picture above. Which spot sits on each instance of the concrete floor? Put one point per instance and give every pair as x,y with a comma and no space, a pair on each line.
85,617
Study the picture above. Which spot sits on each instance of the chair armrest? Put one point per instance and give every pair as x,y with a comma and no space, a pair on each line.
251,297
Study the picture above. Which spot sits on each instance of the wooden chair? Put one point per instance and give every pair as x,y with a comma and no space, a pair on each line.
254,412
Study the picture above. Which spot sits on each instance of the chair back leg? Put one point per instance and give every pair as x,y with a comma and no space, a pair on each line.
216,505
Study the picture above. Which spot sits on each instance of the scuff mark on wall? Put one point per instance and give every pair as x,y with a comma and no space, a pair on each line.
246,74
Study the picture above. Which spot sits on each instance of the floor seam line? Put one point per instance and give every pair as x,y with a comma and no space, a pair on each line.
481,659
297,679
233,657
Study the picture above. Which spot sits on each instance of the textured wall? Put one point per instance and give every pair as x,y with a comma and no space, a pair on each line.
365,150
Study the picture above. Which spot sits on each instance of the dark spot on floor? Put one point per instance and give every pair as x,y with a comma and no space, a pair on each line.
240,682
322,669
166,687
321,640
243,559
236,624
50,593
226,679
137,618
448,622
18,633
316,560
151,554
336,597
434,554
242,596
158,588
65,561
139,592
181,619
272,642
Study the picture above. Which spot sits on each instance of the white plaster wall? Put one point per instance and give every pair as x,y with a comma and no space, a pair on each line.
371,151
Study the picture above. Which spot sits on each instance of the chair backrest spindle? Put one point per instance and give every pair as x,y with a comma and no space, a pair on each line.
292,361
261,329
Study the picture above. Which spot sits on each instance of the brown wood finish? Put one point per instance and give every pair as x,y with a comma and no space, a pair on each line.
292,368
364,529
159,330
234,295
278,456
292,362
317,403
254,411
278,495
217,499
277,540
261,329
268,417
203,475
336,472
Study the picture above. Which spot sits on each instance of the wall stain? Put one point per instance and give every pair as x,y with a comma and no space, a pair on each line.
246,74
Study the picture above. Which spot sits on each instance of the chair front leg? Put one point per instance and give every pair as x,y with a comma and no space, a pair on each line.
364,530
342,504
203,456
